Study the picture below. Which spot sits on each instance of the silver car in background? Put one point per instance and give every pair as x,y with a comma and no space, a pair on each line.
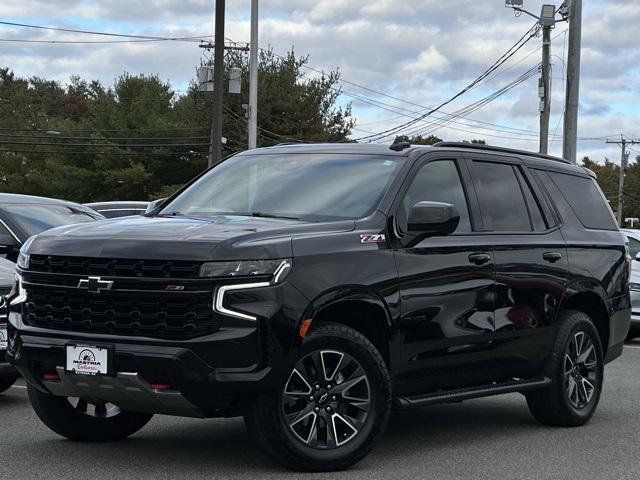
634,250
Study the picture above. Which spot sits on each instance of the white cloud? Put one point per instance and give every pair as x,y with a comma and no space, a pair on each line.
429,62
420,50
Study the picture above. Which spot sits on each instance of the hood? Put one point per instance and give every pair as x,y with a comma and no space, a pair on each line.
181,238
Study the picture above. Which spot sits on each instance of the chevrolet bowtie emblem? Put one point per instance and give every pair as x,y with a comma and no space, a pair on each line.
95,284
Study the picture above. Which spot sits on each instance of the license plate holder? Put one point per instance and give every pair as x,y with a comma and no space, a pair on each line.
4,338
91,360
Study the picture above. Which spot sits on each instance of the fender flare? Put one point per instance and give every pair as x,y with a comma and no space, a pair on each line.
342,294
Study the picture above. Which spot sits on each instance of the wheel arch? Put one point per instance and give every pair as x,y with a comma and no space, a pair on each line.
356,307
592,303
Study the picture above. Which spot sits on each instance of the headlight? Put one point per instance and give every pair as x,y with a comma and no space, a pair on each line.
257,274
23,256
275,270
18,295
23,260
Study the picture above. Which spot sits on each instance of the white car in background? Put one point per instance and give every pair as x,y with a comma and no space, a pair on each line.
634,250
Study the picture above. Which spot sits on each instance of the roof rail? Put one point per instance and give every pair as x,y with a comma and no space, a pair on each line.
477,146
400,146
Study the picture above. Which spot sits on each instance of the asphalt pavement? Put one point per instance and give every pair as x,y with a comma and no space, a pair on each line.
483,439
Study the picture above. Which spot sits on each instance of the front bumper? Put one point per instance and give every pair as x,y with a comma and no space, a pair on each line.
200,386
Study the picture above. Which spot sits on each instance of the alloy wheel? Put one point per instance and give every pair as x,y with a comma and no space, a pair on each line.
580,370
326,400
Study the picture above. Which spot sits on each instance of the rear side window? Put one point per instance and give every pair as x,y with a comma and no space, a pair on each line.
500,196
586,201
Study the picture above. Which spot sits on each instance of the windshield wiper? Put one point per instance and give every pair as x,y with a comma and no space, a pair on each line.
271,215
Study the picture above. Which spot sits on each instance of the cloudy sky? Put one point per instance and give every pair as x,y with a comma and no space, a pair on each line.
419,51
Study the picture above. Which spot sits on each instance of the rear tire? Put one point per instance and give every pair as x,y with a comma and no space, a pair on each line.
330,408
576,369
85,422
7,382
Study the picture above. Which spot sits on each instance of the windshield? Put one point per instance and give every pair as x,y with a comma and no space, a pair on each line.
311,187
35,219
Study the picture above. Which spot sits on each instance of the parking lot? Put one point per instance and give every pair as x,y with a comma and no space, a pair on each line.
484,439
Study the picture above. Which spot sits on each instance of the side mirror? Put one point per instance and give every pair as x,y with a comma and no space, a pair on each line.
432,219
154,205
638,257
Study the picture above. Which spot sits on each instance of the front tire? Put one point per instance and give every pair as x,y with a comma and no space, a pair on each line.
576,369
7,382
82,421
330,407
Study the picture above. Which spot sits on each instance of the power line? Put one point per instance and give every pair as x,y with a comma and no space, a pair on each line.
139,145
481,103
11,129
106,139
284,137
373,102
501,61
123,154
70,42
106,34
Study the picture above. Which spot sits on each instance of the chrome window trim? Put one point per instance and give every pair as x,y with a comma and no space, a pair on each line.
4,224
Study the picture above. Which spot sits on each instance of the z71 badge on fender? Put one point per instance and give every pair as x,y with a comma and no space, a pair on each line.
373,238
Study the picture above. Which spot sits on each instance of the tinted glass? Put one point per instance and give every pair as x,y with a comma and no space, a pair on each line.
439,181
535,213
586,201
501,200
634,247
34,219
312,187
545,202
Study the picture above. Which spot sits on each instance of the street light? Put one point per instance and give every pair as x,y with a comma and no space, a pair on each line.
548,16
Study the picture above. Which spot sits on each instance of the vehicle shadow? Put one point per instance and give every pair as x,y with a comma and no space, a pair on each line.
196,448
7,400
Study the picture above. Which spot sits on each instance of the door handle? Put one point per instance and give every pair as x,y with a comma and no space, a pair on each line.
480,258
552,257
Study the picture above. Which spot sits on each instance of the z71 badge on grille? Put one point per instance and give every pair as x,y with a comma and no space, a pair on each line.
373,238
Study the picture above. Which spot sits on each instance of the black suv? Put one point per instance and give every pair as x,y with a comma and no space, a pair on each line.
314,288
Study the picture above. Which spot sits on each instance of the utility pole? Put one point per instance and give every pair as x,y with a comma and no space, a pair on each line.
570,145
547,21
545,90
215,150
624,164
253,77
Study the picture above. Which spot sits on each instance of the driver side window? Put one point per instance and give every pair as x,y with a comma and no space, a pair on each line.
438,181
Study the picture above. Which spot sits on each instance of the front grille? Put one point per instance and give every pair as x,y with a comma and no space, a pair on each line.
137,304
109,267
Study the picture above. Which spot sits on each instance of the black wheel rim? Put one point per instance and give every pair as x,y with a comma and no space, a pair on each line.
326,400
580,370
95,410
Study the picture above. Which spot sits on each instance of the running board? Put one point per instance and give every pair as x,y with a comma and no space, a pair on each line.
461,394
